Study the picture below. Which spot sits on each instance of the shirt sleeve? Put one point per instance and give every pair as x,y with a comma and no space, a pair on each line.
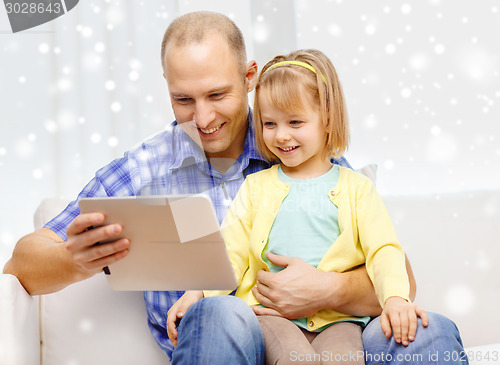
115,179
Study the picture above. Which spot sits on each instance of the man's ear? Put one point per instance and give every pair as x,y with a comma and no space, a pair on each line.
251,75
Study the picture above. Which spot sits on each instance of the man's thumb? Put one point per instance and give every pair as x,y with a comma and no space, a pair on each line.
278,260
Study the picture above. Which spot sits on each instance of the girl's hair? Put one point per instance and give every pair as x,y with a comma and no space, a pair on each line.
289,86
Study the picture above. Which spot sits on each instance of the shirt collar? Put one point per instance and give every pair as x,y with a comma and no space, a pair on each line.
250,148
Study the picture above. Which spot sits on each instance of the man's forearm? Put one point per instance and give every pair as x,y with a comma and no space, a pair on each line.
42,264
355,294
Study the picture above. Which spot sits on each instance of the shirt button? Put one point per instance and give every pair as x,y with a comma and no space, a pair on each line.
311,323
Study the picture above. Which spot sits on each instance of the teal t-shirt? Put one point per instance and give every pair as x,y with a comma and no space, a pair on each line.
306,224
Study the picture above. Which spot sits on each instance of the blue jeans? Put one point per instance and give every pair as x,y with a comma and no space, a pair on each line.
438,343
224,330
219,330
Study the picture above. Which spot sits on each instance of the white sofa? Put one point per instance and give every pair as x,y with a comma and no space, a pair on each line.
453,242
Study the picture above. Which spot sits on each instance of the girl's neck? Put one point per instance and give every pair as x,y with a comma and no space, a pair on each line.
309,172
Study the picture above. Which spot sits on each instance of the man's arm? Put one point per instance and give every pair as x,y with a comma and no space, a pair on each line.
300,290
44,263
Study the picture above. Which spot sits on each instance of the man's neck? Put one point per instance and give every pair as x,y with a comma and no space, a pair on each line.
221,164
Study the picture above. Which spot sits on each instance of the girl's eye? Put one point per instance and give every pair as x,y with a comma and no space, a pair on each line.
269,124
295,122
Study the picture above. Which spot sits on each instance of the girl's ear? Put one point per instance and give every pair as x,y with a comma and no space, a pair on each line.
251,75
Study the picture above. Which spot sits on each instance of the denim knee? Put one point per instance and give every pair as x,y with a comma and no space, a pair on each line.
439,339
226,308
219,330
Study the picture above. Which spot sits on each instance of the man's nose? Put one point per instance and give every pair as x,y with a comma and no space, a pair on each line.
204,114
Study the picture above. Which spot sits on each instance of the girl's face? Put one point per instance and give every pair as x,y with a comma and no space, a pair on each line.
298,139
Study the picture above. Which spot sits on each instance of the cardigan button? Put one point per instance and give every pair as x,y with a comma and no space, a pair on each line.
311,323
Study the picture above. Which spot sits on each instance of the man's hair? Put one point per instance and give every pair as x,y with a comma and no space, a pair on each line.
194,27
288,87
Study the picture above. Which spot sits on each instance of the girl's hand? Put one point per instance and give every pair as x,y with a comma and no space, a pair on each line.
177,311
402,317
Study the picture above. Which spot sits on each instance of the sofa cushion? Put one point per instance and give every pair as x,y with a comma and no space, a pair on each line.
89,323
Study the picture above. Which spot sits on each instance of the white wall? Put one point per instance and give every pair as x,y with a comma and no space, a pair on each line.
421,80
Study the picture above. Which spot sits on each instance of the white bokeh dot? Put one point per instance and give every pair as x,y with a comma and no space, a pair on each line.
389,164
38,174
116,106
370,29
50,126
64,84
99,47
95,138
43,48
261,32
390,48
406,8
439,49
133,76
419,61
460,300
371,121
109,85
112,141
335,30
405,92
87,32
435,130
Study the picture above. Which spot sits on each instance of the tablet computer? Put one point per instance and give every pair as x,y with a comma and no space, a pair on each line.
175,243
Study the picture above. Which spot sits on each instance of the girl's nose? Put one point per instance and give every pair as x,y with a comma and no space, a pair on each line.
282,135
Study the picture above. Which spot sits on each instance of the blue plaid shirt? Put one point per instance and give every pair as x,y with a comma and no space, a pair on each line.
168,163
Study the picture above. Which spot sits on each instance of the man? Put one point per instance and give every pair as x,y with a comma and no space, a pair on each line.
209,148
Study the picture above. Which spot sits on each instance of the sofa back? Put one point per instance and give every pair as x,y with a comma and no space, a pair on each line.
453,244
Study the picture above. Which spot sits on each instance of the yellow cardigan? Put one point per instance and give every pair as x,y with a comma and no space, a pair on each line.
366,237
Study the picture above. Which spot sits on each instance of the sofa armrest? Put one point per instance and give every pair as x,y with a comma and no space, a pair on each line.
19,324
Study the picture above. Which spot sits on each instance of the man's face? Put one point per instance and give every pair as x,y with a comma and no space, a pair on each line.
209,94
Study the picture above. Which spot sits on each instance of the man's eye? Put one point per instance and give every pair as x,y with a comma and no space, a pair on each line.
182,100
217,96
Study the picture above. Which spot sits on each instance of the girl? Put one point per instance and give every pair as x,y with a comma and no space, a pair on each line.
303,206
